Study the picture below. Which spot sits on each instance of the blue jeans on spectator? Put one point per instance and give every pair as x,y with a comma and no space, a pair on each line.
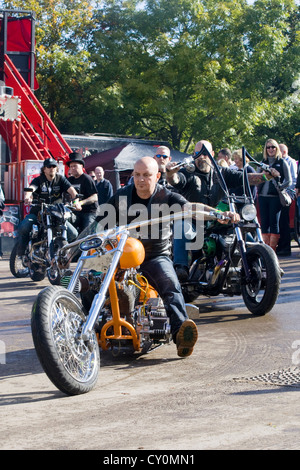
161,275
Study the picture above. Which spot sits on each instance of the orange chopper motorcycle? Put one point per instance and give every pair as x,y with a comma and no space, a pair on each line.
105,304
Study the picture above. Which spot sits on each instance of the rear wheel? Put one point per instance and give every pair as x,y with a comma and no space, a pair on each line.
261,293
17,264
71,363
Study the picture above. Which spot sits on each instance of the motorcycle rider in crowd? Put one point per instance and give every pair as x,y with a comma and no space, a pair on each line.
86,208
163,158
202,186
50,186
157,266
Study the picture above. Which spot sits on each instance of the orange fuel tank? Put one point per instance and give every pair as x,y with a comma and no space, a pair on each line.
133,254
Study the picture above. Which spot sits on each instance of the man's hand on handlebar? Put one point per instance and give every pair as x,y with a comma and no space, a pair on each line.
225,217
232,217
76,204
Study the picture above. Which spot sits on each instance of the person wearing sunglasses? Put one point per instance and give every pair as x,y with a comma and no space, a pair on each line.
269,202
163,158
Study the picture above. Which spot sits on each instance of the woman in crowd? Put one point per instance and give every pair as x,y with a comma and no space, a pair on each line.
269,203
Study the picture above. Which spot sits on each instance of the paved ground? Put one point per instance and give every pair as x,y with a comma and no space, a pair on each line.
239,390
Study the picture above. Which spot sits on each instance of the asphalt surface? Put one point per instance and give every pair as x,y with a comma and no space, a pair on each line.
239,390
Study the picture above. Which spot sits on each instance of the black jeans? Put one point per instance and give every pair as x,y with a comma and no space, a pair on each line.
284,243
270,209
161,275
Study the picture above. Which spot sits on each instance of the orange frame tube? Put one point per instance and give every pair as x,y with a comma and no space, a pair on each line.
117,323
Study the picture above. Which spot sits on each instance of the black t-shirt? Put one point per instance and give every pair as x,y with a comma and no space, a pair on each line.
85,185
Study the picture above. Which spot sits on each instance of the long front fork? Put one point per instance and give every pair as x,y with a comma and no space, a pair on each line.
241,245
49,235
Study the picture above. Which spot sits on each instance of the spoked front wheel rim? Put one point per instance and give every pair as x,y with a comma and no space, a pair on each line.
78,358
255,288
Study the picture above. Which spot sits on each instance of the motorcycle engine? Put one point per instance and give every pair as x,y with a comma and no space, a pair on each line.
39,250
232,285
209,246
149,317
152,322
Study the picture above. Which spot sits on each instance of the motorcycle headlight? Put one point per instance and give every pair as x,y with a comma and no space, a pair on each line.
90,244
249,212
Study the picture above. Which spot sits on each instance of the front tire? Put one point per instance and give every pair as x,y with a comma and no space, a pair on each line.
261,293
56,322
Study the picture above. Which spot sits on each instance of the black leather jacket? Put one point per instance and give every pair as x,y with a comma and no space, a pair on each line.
205,187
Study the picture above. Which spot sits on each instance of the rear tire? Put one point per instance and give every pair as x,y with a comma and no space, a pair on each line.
16,265
71,364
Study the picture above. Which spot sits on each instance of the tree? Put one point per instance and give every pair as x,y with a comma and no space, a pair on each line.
62,32
184,70
174,70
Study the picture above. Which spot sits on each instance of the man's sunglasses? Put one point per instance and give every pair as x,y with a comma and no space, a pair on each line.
164,156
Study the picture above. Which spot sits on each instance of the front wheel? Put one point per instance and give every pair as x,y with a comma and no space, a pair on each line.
56,321
261,292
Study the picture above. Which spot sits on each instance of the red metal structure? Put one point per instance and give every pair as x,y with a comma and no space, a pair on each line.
33,136
39,136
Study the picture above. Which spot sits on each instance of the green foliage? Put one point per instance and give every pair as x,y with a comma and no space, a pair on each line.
175,70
